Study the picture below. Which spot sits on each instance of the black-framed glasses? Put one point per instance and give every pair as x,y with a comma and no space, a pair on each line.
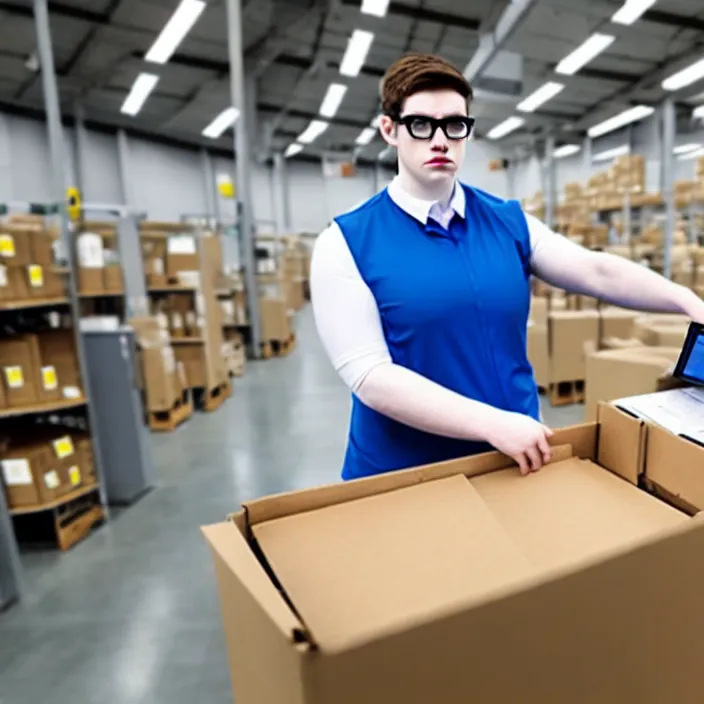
455,127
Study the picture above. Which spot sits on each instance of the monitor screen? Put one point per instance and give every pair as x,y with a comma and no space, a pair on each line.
690,366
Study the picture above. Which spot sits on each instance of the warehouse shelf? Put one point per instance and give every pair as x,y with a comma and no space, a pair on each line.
101,294
34,303
187,341
237,325
67,498
46,407
173,288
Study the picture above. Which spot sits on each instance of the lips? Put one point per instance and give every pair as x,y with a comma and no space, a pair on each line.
438,161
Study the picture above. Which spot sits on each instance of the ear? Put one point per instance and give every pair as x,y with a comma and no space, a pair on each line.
388,129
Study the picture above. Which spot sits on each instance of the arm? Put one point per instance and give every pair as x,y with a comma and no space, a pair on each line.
350,327
565,264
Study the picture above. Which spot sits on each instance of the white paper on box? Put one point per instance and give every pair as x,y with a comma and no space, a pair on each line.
3,276
90,251
51,479
164,338
181,244
191,279
200,304
158,267
163,320
71,392
169,359
16,472
176,321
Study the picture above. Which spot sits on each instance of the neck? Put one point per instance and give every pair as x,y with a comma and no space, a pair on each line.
441,192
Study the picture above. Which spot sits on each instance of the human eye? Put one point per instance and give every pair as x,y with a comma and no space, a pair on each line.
420,127
456,128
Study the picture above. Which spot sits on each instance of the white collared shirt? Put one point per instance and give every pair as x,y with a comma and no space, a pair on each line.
345,309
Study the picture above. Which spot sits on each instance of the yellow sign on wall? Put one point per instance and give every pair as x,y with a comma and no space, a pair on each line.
225,186
73,200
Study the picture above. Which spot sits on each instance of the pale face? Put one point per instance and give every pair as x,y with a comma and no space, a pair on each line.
430,162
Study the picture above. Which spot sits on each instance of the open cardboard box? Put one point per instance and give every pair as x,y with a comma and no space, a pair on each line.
463,581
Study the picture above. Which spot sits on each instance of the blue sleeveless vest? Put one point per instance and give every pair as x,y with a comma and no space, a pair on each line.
454,307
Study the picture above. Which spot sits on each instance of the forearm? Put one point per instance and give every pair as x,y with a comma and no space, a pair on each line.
631,285
416,401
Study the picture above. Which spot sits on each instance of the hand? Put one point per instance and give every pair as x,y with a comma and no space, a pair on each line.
692,306
523,439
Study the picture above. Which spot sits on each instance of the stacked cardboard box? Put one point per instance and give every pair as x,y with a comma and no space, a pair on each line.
233,351
340,594
99,267
42,465
535,205
38,368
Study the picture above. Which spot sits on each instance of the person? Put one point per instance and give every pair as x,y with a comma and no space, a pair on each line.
421,295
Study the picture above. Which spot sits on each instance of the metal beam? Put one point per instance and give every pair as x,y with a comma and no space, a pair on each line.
397,9
304,115
672,20
668,186
600,75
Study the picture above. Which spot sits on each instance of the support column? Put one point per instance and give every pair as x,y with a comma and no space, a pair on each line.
669,128
550,182
243,165
123,161
81,151
6,190
211,201
587,159
281,179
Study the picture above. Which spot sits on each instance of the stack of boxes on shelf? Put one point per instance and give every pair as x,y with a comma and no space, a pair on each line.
26,261
234,317
535,205
99,269
688,192
573,211
275,312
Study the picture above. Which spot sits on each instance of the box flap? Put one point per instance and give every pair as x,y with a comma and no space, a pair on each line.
572,511
229,544
621,442
361,569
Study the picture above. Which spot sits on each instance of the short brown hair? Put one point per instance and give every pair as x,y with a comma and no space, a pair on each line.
414,73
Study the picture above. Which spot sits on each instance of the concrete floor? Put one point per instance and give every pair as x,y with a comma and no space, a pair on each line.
131,616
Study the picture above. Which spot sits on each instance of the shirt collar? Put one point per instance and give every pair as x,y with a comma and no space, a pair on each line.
419,208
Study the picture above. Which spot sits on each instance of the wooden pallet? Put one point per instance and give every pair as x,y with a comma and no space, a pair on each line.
278,348
210,400
76,524
167,421
566,393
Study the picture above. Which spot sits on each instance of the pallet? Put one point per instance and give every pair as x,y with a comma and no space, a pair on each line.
167,421
566,393
278,348
72,528
210,400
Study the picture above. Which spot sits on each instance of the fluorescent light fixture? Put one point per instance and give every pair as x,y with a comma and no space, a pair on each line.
612,153
313,131
621,120
293,149
698,113
377,121
225,119
584,53
141,88
685,148
692,155
566,150
506,127
631,11
366,136
685,77
377,8
333,98
186,15
540,96
357,49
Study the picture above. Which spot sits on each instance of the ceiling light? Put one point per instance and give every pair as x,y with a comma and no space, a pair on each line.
540,96
685,77
584,53
225,119
293,149
612,153
366,136
692,155
506,127
141,88
378,8
631,11
333,98
684,148
698,113
356,53
377,121
621,120
186,15
313,131
566,150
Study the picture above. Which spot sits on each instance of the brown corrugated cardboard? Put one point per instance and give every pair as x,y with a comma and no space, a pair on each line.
633,579
617,323
41,252
30,475
538,353
112,279
569,331
273,314
662,330
57,348
613,374
19,365
18,289
539,307
194,362
90,280
16,243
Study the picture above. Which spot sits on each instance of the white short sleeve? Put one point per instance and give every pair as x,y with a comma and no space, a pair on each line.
346,313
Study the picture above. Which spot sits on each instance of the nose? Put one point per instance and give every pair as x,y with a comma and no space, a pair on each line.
439,142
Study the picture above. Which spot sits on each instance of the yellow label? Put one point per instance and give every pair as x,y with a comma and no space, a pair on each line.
36,275
49,378
74,475
14,377
63,447
7,246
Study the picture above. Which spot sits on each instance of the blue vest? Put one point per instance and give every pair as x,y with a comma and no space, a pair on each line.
454,307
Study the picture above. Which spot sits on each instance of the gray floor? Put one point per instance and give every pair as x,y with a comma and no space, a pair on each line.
131,614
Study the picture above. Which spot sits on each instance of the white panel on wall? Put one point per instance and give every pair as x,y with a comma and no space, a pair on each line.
344,194
167,182
6,192
31,165
570,169
475,170
527,178
101,177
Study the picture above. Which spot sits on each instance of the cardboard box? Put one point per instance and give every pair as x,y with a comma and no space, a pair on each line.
57,349
539,353
30,475
194,363
19,366
617,323
569,332
90,280
18,287
340,594
16,243
112,279
273,312
613,374
42,249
